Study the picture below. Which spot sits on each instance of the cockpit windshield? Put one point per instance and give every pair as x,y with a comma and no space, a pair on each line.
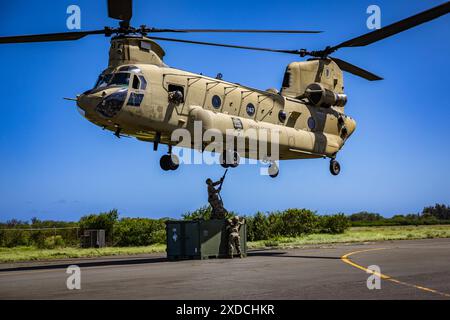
121,79
110,79
103,80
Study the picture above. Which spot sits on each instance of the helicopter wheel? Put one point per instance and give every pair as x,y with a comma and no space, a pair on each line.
273,170
335,167
229,159
174,162
169,162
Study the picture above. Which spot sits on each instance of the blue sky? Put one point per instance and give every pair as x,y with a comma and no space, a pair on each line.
56,165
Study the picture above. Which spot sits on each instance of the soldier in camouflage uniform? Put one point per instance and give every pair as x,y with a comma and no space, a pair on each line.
234,239
218,211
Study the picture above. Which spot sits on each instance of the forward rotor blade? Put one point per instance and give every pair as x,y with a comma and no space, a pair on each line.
225,45
63,36
396,27
346,66
120,9
233,31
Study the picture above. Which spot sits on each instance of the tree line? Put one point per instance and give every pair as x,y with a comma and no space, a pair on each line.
146,231
437,214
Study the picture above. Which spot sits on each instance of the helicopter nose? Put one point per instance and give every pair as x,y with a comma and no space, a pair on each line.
106,103
87,102
111,104
351,126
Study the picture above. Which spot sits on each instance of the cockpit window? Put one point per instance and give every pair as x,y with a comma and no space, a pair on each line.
130,68
121,79
103,80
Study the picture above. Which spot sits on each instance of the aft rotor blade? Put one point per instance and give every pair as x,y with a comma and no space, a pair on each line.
226,45
396,27
233,31
63,36
120,9
346,66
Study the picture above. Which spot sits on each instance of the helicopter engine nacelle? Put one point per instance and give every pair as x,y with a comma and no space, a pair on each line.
320,96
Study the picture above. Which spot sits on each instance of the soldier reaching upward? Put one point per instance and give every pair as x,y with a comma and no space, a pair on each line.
218,211
234,239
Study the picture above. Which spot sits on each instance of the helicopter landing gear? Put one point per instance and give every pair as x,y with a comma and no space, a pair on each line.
335,167
169,161
229,159
273,170
156,141
117,132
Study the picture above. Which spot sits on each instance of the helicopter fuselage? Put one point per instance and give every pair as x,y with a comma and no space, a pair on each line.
144,110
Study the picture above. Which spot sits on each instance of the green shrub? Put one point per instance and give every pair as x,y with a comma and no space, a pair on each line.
275,224
293,223
200,213
52,242
14,238
296,222
334,224
139,232
104,220
258,227
203,213
38,238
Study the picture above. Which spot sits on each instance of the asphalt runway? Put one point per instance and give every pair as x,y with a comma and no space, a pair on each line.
417,269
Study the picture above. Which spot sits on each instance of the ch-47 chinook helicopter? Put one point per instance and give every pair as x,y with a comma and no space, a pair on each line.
139,95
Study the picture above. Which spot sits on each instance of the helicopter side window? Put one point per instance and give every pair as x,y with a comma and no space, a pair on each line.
143,83
286,80
135,99
120,79
135,82
176,93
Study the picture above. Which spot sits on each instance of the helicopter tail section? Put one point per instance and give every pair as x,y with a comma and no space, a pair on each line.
318,79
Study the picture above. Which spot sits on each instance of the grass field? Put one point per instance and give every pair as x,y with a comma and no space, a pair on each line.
32,253
360,234
357,234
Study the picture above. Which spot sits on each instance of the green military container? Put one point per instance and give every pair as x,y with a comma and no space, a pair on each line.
200,239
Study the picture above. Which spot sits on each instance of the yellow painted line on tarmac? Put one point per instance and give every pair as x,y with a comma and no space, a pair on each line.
345,258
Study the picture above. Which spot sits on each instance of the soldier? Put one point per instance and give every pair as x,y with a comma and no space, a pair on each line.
234,238
176,97
218,211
